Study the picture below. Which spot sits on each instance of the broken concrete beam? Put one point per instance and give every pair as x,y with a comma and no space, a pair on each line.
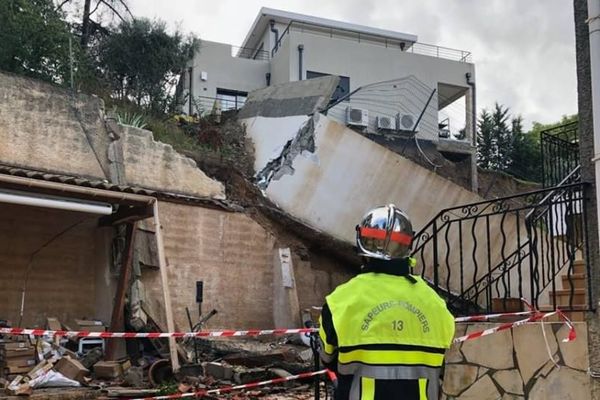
293,98
218,371
242,376
259,360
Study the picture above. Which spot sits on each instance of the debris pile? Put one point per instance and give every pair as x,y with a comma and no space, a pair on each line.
46,364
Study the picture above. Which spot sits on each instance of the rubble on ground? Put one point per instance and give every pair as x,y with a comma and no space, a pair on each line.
74,368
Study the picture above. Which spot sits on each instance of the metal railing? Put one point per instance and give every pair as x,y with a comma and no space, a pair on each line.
379,40
253,54
487,255
560,152
205,105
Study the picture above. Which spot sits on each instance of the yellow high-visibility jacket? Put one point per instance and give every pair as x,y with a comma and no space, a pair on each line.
385,334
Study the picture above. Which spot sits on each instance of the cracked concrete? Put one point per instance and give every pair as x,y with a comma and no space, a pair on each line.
283,165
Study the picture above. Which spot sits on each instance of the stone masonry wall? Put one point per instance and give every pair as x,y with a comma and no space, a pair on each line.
46,128
233,255
515,364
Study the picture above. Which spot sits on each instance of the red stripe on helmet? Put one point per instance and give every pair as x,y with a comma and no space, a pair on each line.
398,237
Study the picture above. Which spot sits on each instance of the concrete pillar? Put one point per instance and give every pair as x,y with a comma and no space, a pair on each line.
471,133
586,154
286,307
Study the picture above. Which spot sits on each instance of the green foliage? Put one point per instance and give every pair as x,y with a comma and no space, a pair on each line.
503,146
494,139
137,120
34,40
142,62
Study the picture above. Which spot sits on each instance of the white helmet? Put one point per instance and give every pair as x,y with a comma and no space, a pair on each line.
385,233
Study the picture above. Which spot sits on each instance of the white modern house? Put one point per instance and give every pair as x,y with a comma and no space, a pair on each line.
388,80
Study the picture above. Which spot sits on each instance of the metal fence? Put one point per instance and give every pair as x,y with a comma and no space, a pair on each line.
485,256
560,152
401,45
246,52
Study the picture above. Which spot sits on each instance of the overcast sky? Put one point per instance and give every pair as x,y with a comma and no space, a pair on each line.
524,50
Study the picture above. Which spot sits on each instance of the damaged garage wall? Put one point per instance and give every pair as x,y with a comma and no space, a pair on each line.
43,127
232,255
67,279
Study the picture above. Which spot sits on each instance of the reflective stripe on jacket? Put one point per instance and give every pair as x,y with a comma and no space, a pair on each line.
387,332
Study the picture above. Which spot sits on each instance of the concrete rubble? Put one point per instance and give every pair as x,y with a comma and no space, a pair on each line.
52,367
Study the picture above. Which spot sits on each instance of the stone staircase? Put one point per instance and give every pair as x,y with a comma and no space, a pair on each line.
577,281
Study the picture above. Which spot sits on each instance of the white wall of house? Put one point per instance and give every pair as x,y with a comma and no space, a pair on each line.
224,71
366,63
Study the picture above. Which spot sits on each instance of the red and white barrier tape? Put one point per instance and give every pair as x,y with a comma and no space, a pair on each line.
537,316
487,317
154,335
227,389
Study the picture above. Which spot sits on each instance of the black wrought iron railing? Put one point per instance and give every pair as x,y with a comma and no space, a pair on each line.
560,152
486,256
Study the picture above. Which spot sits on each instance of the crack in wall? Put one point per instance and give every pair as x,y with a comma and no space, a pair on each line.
282,165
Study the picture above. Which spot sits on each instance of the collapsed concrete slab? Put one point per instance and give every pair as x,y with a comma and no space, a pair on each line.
300,98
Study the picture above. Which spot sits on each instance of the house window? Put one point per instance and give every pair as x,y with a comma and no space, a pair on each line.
342,89
231,99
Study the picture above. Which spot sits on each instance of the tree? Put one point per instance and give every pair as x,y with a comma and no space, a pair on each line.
34,40
143,62
526,156
88,28
494,139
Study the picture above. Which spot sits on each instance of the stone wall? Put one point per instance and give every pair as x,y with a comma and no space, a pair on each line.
44,127
233,255
516,364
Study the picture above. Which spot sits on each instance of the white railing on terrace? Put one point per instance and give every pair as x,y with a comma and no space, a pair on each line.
253,54
408,47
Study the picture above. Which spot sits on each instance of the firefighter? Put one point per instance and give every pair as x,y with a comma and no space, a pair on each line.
385,331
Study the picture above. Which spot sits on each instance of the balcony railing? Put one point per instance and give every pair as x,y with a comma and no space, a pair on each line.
253,54
404,46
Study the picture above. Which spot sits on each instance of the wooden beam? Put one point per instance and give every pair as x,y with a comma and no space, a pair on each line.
162,262
117,318
126,214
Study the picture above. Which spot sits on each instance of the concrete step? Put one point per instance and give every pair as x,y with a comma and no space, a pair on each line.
578,281
563,297
579,267
575,316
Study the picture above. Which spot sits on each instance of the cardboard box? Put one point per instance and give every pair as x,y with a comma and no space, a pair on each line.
24,352
72,369
19,362
108,369
14,345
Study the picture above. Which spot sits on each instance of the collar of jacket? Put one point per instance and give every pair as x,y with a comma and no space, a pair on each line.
399,267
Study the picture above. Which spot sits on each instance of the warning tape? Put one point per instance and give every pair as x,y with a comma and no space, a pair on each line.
155,335
487,317
227,389
537,316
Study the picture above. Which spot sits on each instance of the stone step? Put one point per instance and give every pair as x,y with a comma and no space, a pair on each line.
578,281
575,316
563,297
579,267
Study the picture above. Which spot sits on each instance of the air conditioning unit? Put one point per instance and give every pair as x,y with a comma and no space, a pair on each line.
386,123
406,122
357,117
